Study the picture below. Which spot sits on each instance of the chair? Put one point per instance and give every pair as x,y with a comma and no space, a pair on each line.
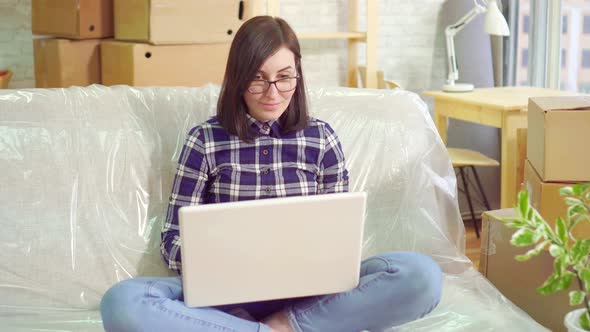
461,159
382,83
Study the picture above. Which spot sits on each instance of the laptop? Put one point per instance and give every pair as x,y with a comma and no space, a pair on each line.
270,249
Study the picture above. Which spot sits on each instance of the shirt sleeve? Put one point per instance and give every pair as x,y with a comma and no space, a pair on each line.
189,188
333,176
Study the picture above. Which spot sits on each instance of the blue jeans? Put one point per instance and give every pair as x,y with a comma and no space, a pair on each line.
394,288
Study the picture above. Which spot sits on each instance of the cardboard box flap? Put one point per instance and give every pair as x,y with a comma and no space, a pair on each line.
569,103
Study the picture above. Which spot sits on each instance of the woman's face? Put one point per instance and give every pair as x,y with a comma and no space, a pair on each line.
272,103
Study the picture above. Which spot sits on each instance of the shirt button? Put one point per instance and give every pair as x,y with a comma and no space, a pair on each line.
265,127
265,152
266,171
267,190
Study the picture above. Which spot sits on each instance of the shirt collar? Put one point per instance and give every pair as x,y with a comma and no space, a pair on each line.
265,128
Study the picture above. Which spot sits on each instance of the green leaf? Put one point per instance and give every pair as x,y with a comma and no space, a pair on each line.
561,230
523,258
549,286
585,321
559,266
513,222
585,275
533,252
555,250
524,237
565,281
576,297
556,283
529,215
514,226
576,209
580,188
580,249
523,203
566,191
571,201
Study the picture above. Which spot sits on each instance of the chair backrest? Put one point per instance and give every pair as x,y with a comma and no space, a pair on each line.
382,83
87,172
362,77
390,84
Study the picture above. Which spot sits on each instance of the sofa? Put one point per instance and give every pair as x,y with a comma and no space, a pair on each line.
86,175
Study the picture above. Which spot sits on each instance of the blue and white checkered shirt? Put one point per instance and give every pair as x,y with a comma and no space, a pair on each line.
217,167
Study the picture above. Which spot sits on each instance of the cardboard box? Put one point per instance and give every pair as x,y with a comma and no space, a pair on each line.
558,135
545,198
60,63
518,281
76,19
182,21
139,64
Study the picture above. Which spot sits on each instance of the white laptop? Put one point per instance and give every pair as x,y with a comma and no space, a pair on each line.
271,248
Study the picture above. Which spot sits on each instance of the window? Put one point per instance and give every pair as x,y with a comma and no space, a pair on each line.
584,87
586,58
519,47
586,24
574,71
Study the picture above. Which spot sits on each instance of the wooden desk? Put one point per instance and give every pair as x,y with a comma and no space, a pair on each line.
503,108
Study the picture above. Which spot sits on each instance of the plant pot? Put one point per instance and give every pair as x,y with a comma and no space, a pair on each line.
571,320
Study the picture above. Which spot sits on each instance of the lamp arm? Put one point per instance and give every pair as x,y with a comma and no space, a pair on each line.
450,32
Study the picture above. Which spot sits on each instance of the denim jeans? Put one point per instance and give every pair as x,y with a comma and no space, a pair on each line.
394,288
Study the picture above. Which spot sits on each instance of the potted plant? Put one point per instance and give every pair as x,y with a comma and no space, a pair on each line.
571,254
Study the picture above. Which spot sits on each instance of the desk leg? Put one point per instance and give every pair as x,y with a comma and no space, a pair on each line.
440,121
510,124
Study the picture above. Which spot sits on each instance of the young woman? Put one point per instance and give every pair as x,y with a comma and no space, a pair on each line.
263,144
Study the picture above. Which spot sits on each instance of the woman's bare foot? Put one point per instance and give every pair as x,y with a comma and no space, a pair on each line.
278,322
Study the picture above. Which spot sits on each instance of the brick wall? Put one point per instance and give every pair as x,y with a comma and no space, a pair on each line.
16,47
411,48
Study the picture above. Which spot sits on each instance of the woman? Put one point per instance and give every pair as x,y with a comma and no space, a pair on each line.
263,144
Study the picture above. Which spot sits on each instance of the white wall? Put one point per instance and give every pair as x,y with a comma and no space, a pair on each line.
410,48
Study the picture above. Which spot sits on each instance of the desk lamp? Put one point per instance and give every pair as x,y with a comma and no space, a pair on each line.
495,24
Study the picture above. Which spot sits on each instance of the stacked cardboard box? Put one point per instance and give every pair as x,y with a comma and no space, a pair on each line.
173,43
557,139
73,58
157,42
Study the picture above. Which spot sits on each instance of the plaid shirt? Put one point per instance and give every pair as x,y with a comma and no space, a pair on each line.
217,167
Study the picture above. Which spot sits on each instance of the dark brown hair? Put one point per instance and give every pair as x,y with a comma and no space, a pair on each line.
259,38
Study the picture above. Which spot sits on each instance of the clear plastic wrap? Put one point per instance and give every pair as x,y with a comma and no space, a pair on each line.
86,175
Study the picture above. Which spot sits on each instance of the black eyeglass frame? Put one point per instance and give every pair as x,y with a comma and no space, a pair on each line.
269,83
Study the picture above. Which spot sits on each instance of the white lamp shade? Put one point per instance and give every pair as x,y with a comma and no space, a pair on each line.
495,23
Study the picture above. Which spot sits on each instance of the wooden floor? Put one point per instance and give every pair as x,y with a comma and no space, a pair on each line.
473,244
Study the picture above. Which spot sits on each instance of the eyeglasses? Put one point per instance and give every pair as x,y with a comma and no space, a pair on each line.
283,85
